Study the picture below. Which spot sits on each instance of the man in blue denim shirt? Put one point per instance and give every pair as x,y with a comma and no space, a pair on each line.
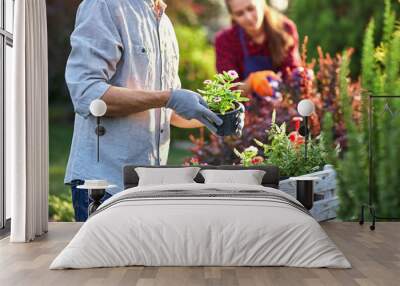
126,53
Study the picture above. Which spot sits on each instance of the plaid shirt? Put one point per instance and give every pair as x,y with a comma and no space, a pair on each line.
230,54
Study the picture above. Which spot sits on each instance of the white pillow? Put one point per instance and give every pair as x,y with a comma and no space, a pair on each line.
165,176
248,177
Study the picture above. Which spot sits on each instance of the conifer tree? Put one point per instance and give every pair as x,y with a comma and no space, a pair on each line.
352,168
344,19
380,76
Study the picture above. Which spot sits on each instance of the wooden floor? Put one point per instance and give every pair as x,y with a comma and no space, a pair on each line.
375,257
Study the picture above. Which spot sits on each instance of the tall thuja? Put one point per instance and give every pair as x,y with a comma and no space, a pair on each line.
386,149
371,83
331,148
389,21
337,17
352,169
380,76
389,135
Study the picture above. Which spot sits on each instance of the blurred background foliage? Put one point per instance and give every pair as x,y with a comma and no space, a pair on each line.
196,63
380,76
334,25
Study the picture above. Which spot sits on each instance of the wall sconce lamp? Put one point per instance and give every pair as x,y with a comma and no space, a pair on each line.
305,108
98,108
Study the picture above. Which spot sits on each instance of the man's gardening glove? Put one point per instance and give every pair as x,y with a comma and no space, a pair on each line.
260,82
191,105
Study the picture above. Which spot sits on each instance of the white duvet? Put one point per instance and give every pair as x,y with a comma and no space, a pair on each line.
203,231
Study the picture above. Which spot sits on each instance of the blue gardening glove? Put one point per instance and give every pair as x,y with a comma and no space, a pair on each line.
191,105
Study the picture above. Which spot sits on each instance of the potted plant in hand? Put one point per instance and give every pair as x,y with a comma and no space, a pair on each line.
225,101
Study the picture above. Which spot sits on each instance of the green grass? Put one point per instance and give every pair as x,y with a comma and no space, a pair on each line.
60,203
177,156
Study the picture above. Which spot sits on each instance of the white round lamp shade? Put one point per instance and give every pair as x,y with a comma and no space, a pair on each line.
98,107
305,107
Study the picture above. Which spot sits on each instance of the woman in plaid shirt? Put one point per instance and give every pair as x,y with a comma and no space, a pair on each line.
260,43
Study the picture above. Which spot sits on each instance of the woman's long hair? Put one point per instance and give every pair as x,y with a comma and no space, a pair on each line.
278,39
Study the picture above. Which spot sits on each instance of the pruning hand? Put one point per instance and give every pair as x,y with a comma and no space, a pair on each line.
259,82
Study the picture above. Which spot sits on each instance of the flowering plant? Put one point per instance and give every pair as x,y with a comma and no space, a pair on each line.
284,151
320,85
295,136
249,156
220,94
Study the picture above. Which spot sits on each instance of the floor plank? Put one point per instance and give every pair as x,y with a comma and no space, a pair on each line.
375,257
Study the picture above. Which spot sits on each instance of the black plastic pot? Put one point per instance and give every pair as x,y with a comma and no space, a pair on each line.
231,121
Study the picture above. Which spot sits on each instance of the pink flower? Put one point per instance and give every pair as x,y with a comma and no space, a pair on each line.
207,81
217,99
233,74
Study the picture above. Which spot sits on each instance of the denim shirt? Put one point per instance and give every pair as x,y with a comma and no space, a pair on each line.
120,43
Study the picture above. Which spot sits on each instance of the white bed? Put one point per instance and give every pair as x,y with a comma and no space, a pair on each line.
201,225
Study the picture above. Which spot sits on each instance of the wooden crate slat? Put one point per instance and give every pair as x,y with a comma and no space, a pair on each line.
325,188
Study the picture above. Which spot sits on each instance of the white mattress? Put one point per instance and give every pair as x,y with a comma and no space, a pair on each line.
200,231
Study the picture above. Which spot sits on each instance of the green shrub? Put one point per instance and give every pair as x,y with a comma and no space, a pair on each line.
285,151
60,209
196,56
336,24
380,76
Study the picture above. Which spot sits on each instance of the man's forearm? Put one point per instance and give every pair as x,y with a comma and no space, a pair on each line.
124,101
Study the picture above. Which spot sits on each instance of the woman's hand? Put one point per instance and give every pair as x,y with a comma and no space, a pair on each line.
259,83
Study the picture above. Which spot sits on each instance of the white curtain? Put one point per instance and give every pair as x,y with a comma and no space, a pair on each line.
27,124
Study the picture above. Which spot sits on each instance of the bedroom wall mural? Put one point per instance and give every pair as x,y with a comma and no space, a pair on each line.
208,133
266,116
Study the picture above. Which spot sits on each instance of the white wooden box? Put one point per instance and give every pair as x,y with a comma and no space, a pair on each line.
326,200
